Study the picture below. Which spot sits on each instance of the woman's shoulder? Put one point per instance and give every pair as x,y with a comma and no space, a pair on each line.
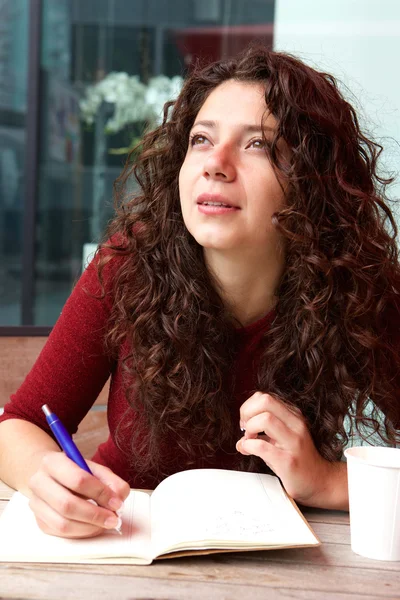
110,258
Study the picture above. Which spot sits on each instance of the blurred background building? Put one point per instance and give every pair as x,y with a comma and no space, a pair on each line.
80,79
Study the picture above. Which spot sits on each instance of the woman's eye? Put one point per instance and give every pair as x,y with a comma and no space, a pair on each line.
258,143
197,140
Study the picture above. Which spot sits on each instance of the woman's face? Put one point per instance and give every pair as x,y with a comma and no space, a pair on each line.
228,188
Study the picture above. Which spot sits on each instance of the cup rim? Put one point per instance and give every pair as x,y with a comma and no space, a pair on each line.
374,461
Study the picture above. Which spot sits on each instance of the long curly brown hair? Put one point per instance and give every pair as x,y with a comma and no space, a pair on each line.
329,348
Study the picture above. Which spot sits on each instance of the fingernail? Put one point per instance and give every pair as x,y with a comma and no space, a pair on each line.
112,522
115,503
119,525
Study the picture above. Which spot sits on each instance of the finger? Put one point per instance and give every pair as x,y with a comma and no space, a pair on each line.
248,409
69,506
120,487
273,427
259,403
52,523
263,449
70,476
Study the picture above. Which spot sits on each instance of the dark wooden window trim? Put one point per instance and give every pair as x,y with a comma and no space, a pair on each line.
24,331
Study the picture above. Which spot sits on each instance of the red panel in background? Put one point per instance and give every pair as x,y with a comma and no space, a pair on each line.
214,43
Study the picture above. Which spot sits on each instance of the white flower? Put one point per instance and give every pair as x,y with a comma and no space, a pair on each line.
133,101
160,90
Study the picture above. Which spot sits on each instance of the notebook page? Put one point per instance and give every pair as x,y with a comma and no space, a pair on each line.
21,540
207,506
5,491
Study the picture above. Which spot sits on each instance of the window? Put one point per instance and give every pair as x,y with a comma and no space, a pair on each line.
60,156
13,118
80,147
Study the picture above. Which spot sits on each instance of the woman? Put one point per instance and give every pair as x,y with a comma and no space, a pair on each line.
252,285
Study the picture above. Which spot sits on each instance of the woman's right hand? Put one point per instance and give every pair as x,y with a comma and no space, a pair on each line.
60,491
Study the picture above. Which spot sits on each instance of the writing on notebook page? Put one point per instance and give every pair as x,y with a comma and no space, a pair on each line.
237,524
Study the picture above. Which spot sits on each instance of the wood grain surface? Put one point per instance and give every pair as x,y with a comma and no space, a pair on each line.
17,356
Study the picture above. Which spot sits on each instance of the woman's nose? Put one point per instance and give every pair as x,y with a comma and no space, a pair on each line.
220,164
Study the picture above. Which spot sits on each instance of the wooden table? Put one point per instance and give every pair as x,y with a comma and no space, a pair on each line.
329,572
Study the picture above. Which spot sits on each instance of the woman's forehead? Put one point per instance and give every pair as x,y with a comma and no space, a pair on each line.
237,103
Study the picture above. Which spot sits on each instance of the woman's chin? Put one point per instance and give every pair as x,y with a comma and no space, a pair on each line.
214,238
217,244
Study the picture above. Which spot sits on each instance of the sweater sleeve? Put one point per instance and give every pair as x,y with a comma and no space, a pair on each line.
73,366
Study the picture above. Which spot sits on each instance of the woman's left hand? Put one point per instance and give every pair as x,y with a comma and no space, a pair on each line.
279,435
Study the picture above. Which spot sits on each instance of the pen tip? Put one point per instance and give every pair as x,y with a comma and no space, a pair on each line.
46,410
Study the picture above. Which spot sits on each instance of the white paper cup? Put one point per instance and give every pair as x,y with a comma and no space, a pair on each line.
374,500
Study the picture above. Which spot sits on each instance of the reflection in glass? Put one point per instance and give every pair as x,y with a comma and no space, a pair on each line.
107,68
13,96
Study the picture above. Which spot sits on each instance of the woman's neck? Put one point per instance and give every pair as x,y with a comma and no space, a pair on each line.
247,284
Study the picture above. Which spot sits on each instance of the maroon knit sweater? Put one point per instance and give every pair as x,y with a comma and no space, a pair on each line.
73,367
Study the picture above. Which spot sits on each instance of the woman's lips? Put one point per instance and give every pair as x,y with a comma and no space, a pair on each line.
212,209
215,204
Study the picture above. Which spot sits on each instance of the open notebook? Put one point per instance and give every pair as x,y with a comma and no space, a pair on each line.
192,512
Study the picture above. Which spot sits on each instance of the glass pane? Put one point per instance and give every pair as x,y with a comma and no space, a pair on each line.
359,43
102,62
13,99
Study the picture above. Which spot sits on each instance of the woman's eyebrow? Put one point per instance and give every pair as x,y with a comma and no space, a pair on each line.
246,128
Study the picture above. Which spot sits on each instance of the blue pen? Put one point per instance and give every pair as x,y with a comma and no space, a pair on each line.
67,444
64,439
